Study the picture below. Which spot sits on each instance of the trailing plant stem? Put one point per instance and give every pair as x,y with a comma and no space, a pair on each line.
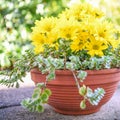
76,80
45,83
65,59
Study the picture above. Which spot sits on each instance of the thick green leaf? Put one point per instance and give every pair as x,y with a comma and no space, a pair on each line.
83,90
89,92
25,102
82,75
51,76
44,97
39,100
95,97
48,91
37,90
40,108
82,104
35,95
40,84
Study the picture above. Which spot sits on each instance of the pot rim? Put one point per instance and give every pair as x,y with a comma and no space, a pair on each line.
90,72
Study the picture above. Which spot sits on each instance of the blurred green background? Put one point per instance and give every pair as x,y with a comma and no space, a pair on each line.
18,16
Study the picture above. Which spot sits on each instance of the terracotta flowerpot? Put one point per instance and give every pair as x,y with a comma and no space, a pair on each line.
65,98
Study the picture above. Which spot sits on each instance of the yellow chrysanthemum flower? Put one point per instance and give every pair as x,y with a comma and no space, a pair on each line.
102,30
81,39
38,40
65,14
114,43
77,45
82,25
44,33
46,24
96,47
67,29
81,11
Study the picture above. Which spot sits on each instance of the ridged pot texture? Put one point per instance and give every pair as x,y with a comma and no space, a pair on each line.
65,98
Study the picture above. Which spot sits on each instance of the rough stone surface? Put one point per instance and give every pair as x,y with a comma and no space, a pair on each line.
10,108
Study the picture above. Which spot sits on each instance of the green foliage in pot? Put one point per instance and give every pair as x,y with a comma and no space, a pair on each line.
78,39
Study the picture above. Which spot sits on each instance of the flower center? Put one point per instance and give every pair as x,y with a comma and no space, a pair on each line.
68,35
102,34
95,47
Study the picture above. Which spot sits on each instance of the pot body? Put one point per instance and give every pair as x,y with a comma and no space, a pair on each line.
65,98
